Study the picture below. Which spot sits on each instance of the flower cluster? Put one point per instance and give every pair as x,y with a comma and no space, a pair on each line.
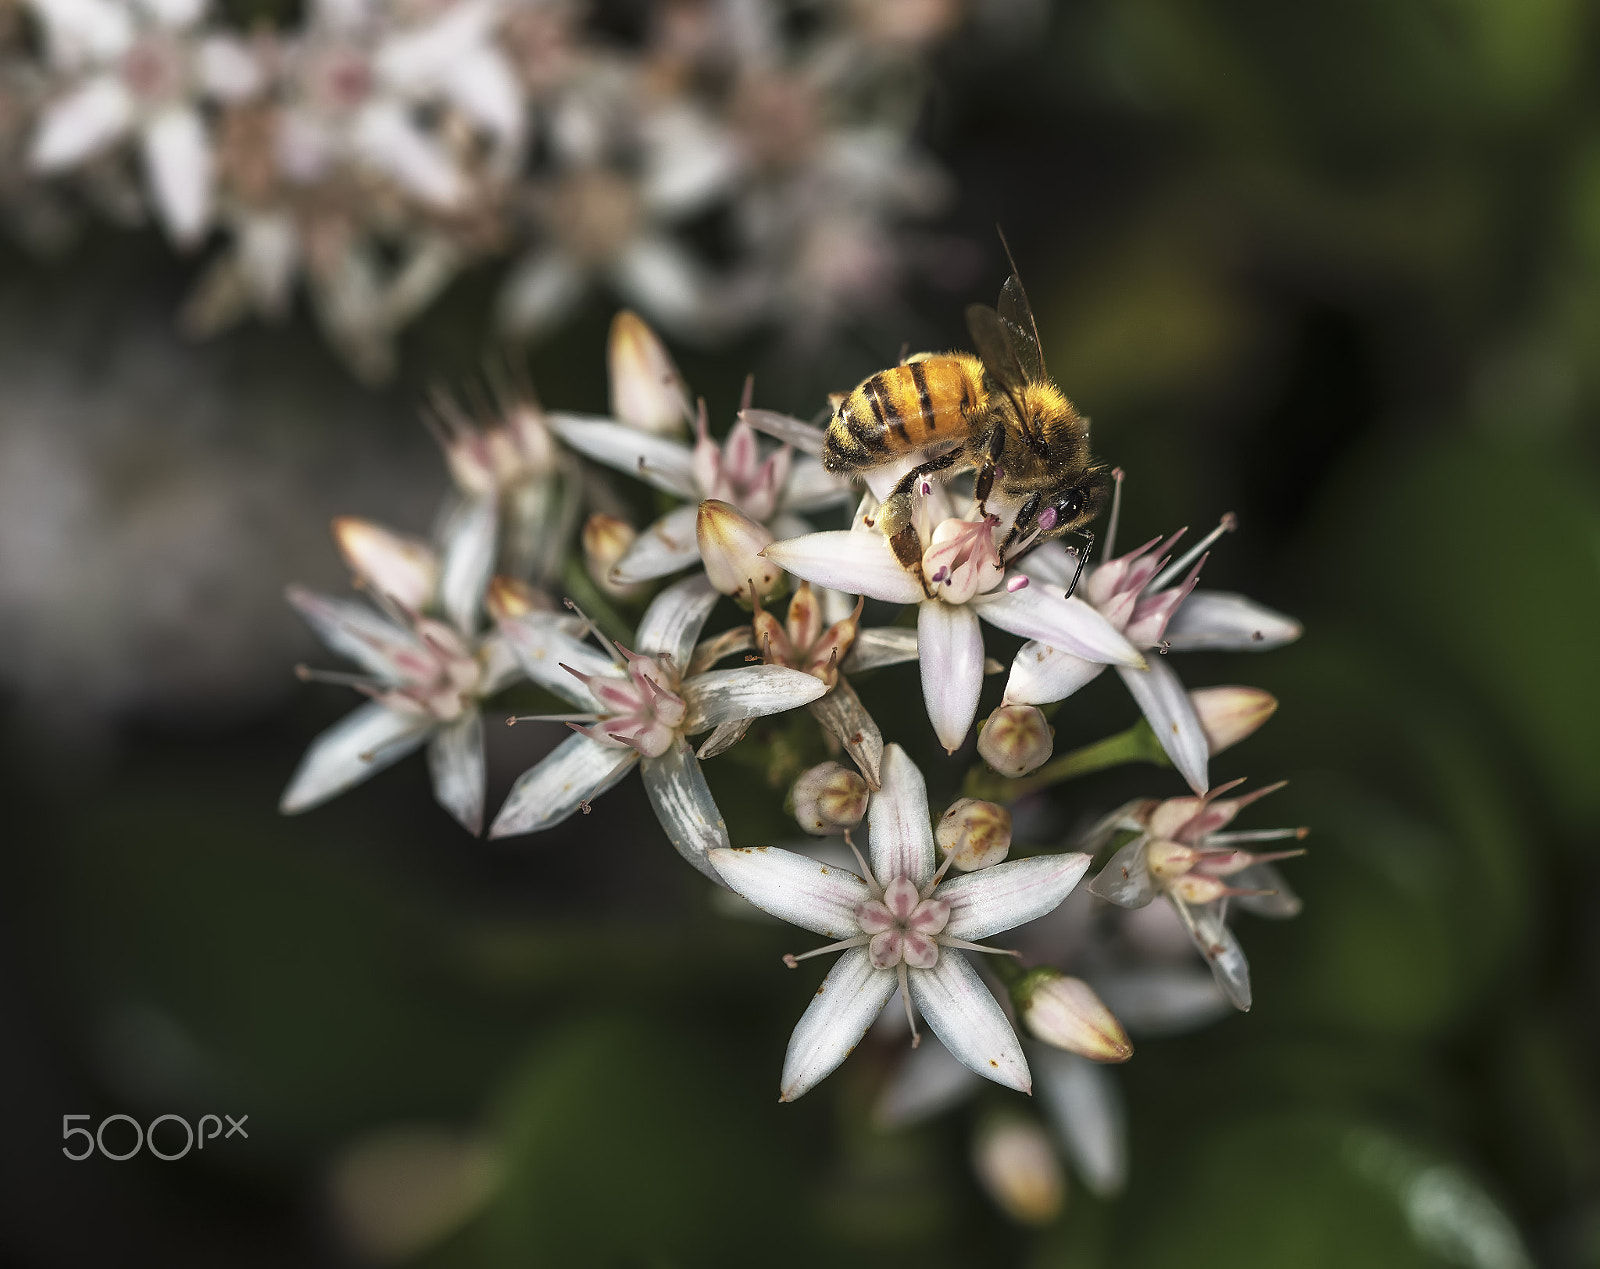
450,623
374,150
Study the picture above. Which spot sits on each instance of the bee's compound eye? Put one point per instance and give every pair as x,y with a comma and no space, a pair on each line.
1070,506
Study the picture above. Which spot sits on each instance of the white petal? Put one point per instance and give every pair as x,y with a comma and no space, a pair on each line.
1051,564
85,31
955,1003
1041,674
811,487
850,997
1171,715
900,832
542,647
689,161
752,691
1084,1103
1125,880
1163,1001
81,124
663,280
227,68
950,642
1009,894
354,630
668,546
880,646
929,1081
795,888
683,803
859,563
538,291
417,59
484,86
178,163
1221,950
844,717
664,463
723,737
1279,904
1072,625
1216,621
357,746
387,138
468,543
575,771
174,14
455,760
805,437
672,622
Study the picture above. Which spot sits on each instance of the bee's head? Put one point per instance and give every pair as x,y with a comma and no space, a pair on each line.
1078,504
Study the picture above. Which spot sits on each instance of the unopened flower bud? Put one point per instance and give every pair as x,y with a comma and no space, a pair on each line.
977,833
1198,887
646,389
1067,1013
403,568
1229,714
1166,859
1015,740
1019,1170
509,597
606,540
730,547
829,799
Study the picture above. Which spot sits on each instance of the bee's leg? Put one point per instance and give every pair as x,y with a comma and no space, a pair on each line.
895,520
993,450
1026,514
1083,558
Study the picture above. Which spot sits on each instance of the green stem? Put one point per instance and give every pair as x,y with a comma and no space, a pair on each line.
1137,744
588,597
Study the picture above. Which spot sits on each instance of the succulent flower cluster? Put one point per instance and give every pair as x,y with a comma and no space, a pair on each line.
374,149
719,649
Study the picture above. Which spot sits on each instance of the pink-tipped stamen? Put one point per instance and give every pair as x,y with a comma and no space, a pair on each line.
1227,524
1110,549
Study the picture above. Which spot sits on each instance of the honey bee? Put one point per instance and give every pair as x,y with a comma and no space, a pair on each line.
1005,417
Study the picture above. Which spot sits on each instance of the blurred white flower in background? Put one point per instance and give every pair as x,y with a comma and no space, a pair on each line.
721,167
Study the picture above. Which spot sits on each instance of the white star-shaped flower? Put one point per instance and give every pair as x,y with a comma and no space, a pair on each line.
1152,601
900,925
426,667
639,706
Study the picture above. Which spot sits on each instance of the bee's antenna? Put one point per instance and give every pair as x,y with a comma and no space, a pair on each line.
1006,247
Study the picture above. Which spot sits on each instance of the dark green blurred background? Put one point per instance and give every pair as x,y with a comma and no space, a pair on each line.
1332,265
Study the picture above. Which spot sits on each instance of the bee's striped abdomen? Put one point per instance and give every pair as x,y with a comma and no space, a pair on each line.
903,408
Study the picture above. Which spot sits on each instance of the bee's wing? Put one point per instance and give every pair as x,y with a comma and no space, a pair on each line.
996,348
1016,315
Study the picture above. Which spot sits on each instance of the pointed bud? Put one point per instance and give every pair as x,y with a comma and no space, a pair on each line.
828,799
1019,1170
1015,740
1066,1012
730,547
978,834
606,540
403,568
646,390
1198,888
1168,859
1229,714
509,597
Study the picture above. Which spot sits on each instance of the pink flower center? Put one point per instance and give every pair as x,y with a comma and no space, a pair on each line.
902,925
960,560
643,710
735,471
153,70
440,681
